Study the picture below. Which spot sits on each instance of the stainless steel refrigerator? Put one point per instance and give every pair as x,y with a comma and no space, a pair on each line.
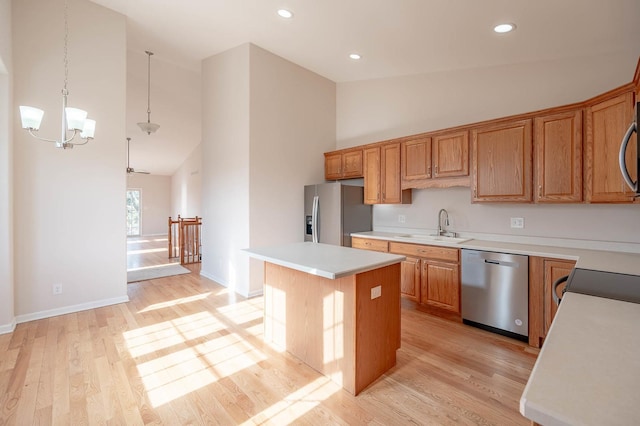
332,211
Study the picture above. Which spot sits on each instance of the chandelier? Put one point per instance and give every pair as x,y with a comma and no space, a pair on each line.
148,127
75,119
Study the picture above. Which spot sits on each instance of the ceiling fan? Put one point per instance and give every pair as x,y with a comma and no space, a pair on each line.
131,169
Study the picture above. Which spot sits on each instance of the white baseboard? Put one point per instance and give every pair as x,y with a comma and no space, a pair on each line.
71,309
8,328
224,284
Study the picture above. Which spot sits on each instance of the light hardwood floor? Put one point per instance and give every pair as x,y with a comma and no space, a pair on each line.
185,350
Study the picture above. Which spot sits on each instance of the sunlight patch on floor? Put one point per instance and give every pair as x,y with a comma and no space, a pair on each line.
296,404
191,365
163,335
155,250
157,266
175,302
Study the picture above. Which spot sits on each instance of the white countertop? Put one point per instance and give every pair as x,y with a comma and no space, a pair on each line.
588,371
598,260
324,260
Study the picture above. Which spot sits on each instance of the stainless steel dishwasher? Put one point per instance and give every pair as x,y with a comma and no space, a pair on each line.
495,292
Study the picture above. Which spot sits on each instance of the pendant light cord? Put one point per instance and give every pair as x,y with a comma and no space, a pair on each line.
66,50
149,53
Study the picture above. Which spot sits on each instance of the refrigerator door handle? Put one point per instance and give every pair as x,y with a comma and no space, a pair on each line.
314,219
635,186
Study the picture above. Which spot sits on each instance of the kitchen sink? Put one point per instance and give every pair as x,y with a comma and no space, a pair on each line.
427,238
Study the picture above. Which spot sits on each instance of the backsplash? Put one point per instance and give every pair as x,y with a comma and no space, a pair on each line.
601,223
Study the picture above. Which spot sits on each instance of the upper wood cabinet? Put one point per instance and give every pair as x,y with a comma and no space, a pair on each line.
344,164
501,162
558,158
382,175
607,122
416,160
441,156
450,153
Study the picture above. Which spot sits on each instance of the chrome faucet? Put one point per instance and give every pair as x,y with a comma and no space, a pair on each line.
441,230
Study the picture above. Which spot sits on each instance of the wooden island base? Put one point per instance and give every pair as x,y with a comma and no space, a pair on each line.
334,325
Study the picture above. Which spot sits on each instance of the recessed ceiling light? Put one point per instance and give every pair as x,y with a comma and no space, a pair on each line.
355,56
284,13
504,28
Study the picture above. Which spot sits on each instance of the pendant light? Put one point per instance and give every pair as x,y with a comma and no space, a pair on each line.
148,127
73,119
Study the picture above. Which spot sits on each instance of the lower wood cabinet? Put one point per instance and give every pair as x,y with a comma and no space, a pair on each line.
370,244
543,273
430,274
553,270
410,278
440,285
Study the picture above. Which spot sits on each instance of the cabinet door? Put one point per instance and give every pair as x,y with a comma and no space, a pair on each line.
607,123
371,175
558,149
440,285
451,154
553,269
390,173
332,166
410,278
352,164
501,162
416,159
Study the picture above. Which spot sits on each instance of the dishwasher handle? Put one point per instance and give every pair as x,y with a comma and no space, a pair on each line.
501,263
554,287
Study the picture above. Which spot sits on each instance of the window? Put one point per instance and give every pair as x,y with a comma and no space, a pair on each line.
133,212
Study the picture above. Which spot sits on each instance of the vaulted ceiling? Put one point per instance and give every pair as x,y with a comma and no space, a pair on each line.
394,37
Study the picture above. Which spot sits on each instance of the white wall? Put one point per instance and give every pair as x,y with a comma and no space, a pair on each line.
266,123
155,200
175,106
7,316
186,186
70,203
375,110
292,125
225,171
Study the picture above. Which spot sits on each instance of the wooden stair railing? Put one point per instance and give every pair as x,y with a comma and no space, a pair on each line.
184,239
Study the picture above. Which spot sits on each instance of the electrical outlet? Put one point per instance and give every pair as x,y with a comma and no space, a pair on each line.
517,222
57,289
401,218
376,292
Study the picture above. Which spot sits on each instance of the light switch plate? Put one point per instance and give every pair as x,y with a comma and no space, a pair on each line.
376,292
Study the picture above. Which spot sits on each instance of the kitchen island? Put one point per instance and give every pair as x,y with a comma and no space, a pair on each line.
335,308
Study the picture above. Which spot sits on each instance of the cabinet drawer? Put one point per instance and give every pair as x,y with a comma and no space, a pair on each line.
370,244
431,252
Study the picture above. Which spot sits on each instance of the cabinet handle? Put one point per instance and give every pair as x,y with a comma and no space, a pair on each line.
436,169
475,193
540,191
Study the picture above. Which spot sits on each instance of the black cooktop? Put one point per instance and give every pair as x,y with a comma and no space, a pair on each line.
610,285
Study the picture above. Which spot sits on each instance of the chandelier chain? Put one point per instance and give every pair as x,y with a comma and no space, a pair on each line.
66,41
